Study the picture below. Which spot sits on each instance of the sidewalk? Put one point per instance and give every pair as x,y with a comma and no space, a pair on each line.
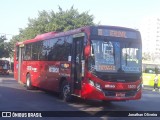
150,88
145,87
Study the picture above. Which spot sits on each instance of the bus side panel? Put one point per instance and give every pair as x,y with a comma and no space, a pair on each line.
52,76
33,68
15,67
23,71
51,73
44,74
16,70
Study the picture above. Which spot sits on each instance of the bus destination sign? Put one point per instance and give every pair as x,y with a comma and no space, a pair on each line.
117,33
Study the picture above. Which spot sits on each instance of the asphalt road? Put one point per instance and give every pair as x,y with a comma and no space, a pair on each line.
15,97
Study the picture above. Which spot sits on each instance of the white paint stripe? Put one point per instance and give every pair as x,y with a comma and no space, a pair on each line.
1,80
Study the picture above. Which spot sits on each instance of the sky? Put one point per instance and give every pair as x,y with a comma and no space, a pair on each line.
127,13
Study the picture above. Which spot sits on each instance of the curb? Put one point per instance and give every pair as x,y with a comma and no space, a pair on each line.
147,87
150,88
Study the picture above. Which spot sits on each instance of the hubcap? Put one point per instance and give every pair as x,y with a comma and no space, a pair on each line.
66,91
28,82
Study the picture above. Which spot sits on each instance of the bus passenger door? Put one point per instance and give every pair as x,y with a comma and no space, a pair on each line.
77,62
20,60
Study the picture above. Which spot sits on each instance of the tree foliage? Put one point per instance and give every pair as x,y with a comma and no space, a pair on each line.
5,49
53,21
146,56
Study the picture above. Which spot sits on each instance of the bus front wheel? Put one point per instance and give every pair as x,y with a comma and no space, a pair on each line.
66,92
28,82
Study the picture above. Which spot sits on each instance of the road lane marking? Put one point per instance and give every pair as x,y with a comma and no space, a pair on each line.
1,80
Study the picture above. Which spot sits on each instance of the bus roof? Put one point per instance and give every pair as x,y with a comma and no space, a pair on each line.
116,27
70,32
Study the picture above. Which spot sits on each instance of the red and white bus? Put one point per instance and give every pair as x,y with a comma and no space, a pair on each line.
4,67
92,62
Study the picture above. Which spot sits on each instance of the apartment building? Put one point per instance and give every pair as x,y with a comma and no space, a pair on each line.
150,32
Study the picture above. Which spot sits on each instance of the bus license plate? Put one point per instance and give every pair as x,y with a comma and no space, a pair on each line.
120,94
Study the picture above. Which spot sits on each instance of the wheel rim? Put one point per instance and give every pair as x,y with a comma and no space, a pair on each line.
66,91
28,82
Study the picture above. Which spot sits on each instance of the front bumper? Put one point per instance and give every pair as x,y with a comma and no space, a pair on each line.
90,92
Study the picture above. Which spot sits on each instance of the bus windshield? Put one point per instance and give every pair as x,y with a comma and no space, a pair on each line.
113,56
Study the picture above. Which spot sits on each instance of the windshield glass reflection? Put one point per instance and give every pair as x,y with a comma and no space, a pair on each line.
111,56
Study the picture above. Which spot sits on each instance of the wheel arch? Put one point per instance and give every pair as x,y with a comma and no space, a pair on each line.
28,73
62,79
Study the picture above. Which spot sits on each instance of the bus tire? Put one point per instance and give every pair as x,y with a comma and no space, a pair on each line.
66,92
28,82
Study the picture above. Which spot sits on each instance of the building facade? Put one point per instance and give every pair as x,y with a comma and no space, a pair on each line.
150,32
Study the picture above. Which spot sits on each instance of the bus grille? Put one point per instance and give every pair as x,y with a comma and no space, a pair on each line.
118,78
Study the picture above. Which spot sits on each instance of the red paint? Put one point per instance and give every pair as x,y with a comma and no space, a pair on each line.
47,74
90,92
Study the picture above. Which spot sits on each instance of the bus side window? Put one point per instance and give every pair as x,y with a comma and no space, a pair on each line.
27,53
28,56
17,52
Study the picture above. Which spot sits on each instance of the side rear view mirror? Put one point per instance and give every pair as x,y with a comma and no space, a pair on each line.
87,50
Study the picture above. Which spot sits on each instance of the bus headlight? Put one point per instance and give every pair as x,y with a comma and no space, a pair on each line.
96,85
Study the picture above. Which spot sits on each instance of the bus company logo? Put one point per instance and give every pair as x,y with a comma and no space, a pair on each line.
34,69
110,86
31,68
53,69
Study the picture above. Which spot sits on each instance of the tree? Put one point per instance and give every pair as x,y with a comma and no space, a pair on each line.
146,56
2,38
5,49
2,46
51,21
